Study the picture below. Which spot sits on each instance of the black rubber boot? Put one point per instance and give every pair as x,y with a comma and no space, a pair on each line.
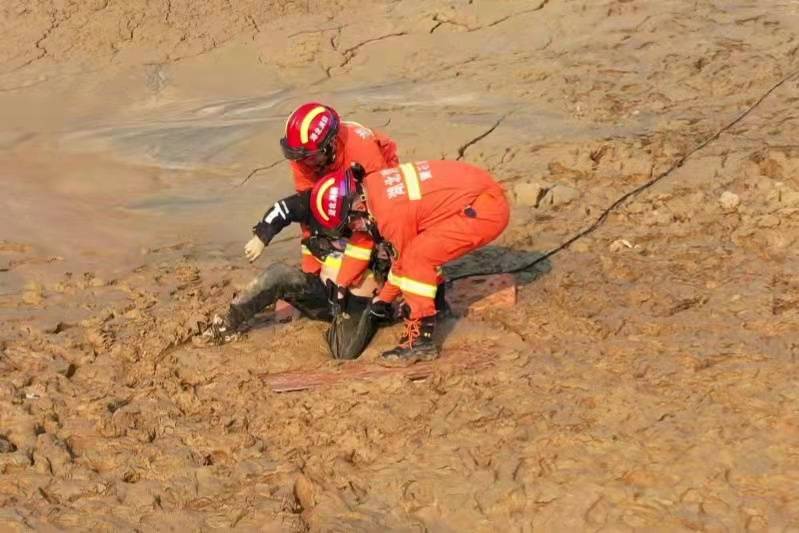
416,343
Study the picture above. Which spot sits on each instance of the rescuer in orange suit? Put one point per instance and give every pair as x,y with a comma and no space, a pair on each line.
315,142
431,212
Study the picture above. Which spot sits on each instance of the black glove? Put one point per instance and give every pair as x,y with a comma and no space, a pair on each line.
294,208
338,302
380,261
380,310
320,246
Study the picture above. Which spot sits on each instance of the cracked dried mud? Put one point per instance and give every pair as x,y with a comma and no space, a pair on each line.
646,380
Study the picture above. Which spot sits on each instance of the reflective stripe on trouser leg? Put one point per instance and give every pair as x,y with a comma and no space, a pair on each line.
419,295
418,288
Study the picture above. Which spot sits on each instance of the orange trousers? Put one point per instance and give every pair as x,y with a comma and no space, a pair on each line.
450,239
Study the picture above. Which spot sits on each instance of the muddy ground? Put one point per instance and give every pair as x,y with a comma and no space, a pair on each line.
646,379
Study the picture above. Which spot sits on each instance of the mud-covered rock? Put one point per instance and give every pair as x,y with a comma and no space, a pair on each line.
768,221
619,245
729,201
620,391
790,198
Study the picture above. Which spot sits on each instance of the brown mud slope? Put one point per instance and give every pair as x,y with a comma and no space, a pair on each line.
647,379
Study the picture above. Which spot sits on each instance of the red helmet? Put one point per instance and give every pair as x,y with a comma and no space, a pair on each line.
331,199
310,133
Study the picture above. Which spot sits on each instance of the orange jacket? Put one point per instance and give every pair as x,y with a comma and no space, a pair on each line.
406,200
374,151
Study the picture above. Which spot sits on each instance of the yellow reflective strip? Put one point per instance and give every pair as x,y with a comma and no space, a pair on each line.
394,279
333,261
411,181
418,288
306,122
412,286
358,252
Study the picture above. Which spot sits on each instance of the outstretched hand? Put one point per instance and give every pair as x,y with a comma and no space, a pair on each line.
254,248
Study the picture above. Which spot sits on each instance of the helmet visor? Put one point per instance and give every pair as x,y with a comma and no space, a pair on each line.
294,154
300,153
319,160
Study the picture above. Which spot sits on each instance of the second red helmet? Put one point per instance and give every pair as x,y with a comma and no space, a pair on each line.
310,130
331,199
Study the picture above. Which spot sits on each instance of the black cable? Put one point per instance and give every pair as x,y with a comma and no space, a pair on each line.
603,216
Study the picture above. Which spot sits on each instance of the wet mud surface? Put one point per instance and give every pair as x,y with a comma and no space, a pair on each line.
645,380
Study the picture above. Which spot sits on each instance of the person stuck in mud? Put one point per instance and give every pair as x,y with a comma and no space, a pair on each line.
315,142
431,212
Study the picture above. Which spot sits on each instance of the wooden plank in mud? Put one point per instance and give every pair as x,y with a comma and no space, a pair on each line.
299,380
